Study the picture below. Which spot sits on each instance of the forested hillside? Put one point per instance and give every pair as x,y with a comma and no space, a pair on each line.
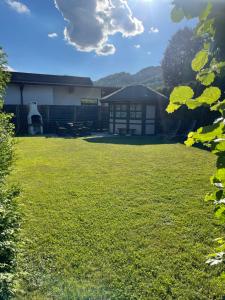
150,76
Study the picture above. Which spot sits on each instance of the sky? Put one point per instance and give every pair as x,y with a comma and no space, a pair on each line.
91,38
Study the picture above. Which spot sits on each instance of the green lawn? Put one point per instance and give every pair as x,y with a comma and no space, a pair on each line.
116,218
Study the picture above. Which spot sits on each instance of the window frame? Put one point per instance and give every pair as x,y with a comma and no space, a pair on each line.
136,112
121,111
89,99
111,111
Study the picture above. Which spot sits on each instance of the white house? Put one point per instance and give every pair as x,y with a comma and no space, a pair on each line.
60,99
51,90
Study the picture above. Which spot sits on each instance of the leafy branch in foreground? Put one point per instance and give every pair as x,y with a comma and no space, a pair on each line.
9,219
208,66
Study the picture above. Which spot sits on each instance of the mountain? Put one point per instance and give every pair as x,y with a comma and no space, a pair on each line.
150,76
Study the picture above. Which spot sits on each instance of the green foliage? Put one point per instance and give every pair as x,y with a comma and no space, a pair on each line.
213,136
200,60
8,210
116,218
9,226
212,21
205,13
210,95
206,77
179,96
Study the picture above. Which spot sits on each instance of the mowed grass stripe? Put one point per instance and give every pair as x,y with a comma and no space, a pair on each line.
120,218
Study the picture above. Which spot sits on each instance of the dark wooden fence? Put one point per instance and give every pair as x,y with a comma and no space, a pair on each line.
60,113
99,116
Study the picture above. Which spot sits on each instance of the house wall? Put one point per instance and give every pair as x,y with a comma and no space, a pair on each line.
51,95
72,96
12,94
42,94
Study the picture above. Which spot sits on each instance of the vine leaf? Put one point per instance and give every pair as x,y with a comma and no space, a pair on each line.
172,107
209,133
215,196
218,146
210,95
200,60
177,14
206,134
193,104
179,96
206,77
220,213
219,106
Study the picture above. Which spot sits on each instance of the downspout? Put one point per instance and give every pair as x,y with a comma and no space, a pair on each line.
20,109
21,94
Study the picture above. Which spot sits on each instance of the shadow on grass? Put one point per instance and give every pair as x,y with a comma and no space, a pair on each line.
130,140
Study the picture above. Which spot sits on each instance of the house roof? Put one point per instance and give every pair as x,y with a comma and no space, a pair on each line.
43,79
133,93
107,90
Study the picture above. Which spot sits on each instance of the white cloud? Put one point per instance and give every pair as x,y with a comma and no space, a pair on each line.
53,35
137,46
91,23
18,6
154,30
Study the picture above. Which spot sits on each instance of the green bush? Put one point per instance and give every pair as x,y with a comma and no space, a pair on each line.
9,220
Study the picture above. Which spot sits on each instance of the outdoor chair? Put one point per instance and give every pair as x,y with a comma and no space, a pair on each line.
60,129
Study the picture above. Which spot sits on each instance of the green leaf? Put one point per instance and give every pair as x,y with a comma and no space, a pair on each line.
206,27
215,196
200,60
210,95
172,108
190,141
219,106
210,132
209,197
181,94
218,146
177,14
193,104
204,15
206,77
206,134
220,213
217,66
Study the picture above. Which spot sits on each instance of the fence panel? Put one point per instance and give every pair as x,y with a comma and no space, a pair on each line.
59,113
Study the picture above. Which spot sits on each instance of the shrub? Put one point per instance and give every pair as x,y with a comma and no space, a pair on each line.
9,219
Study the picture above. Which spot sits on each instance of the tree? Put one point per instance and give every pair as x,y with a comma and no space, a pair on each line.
208,65
9,219
192,9
176,64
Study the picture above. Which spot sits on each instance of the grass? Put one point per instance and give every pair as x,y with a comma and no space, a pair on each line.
116,218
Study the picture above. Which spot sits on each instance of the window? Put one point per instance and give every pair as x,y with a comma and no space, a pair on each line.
111,111
121,111
135,111
89,101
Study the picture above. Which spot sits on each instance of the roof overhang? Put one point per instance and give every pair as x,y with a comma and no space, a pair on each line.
51,84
